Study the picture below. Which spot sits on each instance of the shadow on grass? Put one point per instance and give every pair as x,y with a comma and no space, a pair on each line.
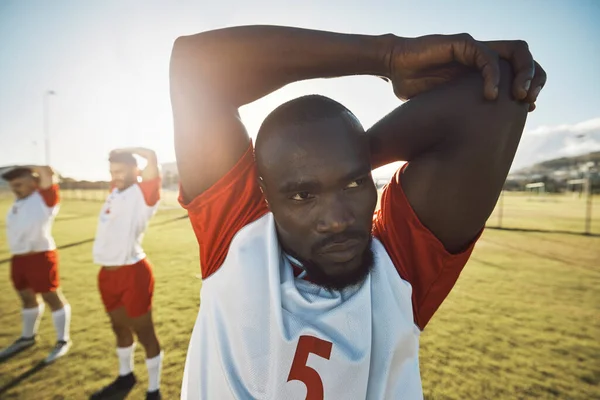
6,358
74,244
527,230
32,371
488,263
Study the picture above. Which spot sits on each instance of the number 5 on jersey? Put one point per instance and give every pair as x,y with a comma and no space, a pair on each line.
302,372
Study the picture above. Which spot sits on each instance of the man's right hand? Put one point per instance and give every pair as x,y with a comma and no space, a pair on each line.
420,64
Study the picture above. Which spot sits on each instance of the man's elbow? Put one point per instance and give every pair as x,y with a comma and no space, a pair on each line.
488,120
191,53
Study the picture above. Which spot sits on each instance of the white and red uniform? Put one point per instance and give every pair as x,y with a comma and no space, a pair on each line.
122,222
29,230
264,333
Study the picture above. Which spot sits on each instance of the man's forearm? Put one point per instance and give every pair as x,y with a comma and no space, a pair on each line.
242,64
45,173
450,116
148,154
152,170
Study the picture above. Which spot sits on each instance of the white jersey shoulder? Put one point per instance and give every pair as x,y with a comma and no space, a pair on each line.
29,225
122,222
261,333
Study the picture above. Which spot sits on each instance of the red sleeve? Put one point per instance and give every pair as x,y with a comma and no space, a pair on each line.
50,195
417,254
151,191
226,207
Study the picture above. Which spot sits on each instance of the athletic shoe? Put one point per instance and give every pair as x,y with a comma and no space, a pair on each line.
19,345
155,395
119,387
60,349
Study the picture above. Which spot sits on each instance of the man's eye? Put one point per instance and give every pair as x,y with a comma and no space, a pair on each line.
302,196
355,183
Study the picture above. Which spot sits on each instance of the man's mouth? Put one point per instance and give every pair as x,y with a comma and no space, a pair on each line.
341,252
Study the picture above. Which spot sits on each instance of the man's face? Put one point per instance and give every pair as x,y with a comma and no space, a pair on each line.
123,175
317,181
23,186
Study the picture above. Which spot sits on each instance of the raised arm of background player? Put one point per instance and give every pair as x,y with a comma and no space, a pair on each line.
151,171
46,175
216,72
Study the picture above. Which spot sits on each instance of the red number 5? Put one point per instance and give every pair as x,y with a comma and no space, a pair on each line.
302,372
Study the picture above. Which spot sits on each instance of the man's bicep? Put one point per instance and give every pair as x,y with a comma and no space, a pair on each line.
453,187
206,150
451,197
417,254
209,135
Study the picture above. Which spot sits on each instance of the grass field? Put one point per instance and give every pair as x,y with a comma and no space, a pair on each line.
523,321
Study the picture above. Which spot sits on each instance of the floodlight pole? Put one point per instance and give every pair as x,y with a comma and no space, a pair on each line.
47,94
588,186
588,208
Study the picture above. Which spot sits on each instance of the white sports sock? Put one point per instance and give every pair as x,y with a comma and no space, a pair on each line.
31,320
62,322
154,366
126,359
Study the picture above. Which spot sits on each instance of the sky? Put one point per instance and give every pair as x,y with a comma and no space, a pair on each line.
107,61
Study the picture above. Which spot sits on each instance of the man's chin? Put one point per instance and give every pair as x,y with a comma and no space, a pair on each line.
338,276
335,269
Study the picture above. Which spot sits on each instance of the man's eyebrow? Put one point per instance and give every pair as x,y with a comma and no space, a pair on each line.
313,185
358,173
302,186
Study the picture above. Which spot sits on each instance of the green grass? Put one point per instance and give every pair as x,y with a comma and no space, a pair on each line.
546,212
523,321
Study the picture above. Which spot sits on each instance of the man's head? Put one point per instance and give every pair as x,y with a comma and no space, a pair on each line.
313,159
123,169
21,181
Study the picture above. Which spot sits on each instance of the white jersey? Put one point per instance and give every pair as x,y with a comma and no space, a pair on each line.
29,222
122,222
263,332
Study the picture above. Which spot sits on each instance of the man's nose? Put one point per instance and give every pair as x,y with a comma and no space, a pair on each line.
336,217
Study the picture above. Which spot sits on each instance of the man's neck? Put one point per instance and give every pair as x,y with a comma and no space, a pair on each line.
126,187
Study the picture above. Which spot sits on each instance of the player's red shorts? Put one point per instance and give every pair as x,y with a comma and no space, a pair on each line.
35,271
129,286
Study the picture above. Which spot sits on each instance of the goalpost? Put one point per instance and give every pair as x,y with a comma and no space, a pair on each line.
536,187
577,186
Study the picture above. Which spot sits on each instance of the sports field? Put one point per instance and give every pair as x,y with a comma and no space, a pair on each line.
523,321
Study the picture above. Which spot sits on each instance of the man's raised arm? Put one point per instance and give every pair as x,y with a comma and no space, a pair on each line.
214,73
459,147
46,175
151,171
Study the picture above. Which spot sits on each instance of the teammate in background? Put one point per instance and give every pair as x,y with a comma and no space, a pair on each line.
125,280
34,265
307,293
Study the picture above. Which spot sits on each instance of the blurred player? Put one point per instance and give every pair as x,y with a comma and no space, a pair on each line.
126,281
307,293
34,265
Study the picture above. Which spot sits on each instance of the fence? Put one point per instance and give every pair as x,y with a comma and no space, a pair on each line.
168,196
548,212
534,211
